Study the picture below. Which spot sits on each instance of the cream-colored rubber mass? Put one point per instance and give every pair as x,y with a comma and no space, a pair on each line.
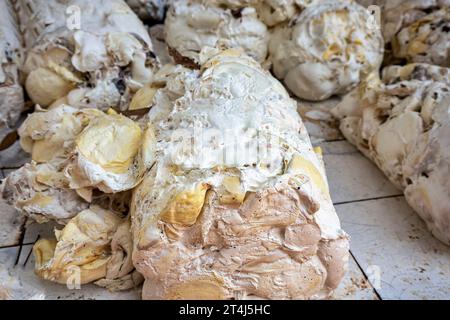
191,25
84,53
237,204
75,154
402,123
326,50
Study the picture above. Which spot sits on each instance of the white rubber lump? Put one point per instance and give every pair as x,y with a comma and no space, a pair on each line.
79,157
317,48
95,246
237,205
270,12
402,123
399,14
84,164
427,40
194,24
191,25
84,53
326,50
414,30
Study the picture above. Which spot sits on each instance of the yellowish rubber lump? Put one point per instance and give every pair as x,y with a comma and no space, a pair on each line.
111,142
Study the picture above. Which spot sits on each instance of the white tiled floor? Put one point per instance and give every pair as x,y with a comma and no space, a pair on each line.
352,176
389,236
390,245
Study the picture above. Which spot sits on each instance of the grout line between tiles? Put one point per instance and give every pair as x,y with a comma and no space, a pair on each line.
9,168
335,140
23,229
31,250
368,199
15,245
365,276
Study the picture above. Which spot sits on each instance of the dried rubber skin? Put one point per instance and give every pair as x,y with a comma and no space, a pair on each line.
11,93
271,12
245,225
399,14
95,245
191,25
402,123
326,50
84,164
427,40
90,53
43,201
79,157
152,10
